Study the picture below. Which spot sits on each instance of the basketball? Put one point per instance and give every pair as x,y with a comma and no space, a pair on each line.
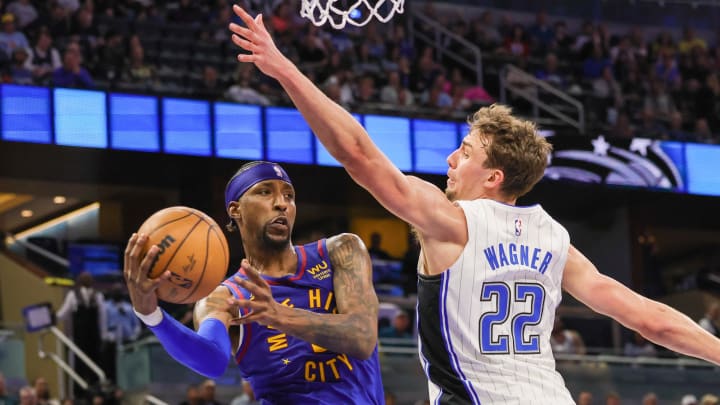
192,247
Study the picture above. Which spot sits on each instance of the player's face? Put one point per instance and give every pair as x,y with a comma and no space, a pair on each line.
467,171
269,212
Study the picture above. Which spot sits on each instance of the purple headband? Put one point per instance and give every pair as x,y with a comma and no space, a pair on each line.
241,182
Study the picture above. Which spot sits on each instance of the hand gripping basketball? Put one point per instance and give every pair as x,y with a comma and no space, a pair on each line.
141,288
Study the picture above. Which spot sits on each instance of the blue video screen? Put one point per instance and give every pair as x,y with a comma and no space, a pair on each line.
97,258
289,138
134,123
702,169
238,131
324,158
80,118
392,136
434,141
25,114
186,127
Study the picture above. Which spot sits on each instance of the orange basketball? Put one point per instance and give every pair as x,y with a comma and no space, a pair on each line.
192,247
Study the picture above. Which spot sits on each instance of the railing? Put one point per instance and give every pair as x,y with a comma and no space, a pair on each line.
37,249
61,337
528,87
442,34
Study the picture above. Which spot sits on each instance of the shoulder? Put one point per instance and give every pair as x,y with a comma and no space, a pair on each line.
344,241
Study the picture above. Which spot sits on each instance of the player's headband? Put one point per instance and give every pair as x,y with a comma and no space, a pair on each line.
241,182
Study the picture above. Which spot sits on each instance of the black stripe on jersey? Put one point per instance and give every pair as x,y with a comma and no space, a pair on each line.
440,370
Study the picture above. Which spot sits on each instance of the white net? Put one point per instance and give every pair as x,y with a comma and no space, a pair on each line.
338,13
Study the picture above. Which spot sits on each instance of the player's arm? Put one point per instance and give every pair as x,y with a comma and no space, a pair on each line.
411,199
657,322
206,351
353,330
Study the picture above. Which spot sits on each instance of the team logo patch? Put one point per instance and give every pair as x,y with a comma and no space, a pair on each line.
277,171
518,227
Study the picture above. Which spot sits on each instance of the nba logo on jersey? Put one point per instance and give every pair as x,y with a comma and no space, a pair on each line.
518,227
277,170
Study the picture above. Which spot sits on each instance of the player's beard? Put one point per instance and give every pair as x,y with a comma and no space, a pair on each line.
275,243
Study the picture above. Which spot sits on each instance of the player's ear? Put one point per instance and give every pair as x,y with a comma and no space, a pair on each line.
496,178
233,211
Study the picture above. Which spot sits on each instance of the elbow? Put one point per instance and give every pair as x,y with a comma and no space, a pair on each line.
364,350
214,370
656,328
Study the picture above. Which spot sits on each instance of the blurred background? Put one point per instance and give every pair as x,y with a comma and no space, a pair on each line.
112,110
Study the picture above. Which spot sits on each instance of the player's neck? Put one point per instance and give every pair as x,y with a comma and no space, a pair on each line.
273,262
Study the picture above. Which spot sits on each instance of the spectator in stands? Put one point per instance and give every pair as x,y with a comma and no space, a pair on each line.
192,396
550,73
5,397
436,98
242,91
10,38
24,11
424,71
111,56
596,63
689,399
366,92
375,249
43,58
585,398
666,68
19,73
138,71
516,44
207,393
639,347
390,398
27,396
607,93
564,340
676,130
703,134
394,92
72,73
659,100
399,329
649,126
650,399
59,23
541,34
211,87
709,399
612,398
42,392
410,264
711,320
84,307
247,397
86,33
690,41
122,327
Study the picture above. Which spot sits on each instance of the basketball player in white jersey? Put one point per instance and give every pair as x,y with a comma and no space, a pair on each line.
490,272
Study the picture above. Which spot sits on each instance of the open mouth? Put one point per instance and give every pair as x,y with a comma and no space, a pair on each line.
280,221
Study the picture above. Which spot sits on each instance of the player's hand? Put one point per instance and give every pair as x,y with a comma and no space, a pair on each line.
141,288
256,39
263,307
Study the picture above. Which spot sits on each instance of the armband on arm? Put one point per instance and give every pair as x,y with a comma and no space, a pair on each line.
206,352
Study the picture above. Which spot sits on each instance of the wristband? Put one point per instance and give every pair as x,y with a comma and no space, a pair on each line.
152,319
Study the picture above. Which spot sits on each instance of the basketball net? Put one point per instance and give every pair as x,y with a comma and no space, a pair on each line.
357,13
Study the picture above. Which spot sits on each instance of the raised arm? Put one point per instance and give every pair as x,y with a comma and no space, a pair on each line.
657,322
411,199
352,330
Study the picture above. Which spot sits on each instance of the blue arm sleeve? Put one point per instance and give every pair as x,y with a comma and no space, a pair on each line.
206,352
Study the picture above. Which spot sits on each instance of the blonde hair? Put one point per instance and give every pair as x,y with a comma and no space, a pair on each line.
513,146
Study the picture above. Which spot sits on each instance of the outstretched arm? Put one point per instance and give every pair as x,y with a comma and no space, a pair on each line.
657,322
352,330
409,198
206,352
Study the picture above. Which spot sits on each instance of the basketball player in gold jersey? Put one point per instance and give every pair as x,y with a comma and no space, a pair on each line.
490,273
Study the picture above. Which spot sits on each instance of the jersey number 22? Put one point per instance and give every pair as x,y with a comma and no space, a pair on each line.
503,296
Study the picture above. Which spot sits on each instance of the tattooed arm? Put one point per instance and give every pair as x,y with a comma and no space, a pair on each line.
353,330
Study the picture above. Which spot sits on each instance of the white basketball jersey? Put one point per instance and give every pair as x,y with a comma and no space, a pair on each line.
485,322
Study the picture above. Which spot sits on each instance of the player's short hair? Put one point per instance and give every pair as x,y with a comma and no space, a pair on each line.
513,145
